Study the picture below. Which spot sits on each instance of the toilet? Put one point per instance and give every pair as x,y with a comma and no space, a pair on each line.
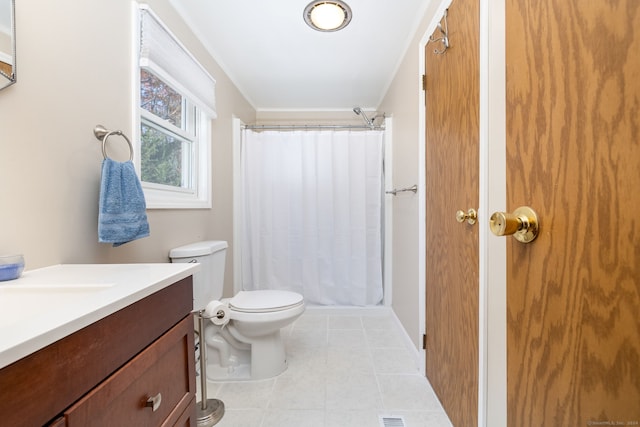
245,343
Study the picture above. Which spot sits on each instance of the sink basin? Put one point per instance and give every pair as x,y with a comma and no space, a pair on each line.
18,302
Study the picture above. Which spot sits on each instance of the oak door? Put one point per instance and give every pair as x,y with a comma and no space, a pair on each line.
573,154
452,114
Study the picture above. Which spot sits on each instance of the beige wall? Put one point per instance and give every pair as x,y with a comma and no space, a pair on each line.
402,100
74,71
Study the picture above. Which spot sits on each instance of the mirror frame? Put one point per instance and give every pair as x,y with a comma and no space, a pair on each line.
9,79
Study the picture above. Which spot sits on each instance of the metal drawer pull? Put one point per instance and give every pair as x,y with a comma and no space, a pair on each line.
154,402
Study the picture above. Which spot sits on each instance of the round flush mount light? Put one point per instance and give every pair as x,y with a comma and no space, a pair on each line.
327,15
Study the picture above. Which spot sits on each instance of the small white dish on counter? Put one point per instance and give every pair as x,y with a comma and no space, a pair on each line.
47,304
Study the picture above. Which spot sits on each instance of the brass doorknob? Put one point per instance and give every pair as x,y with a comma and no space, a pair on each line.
471,216
522,223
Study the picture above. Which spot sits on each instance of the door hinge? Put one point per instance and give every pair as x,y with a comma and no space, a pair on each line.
424,82
424,341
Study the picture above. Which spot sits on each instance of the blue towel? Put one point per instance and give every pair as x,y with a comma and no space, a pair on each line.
122,215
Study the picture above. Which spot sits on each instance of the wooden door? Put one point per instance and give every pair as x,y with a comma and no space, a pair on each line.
452,114
573,154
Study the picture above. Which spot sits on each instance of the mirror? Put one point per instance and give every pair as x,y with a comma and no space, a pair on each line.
7,43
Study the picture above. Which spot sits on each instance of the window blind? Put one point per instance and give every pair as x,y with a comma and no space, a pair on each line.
165,56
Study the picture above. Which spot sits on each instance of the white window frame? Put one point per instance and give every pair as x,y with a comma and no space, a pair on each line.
159,196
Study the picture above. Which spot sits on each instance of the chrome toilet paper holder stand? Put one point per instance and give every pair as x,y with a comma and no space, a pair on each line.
209,411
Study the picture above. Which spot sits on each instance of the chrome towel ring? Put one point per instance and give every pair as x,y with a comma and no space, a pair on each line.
103,134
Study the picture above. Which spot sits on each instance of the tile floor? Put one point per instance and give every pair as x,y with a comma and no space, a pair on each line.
347,368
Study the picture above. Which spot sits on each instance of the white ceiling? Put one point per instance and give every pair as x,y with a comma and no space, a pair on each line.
279,63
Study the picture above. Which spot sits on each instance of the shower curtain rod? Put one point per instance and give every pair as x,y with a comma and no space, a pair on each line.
299,127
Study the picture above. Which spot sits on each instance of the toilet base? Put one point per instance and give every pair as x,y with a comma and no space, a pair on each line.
269,361
268,357
218,373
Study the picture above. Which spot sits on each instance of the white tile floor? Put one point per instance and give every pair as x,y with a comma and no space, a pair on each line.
347,368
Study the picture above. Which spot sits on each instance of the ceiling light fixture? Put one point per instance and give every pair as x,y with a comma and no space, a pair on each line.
327,15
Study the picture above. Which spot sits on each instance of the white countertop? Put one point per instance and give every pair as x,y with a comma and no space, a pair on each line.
47,304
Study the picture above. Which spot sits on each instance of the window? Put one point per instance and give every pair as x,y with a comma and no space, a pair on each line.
175,103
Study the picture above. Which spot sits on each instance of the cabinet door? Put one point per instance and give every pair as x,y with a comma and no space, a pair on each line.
161,371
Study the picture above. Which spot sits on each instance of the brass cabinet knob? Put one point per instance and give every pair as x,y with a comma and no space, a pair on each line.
471,216
522,224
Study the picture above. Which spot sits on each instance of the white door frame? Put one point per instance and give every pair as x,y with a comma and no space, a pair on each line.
492,345
493,196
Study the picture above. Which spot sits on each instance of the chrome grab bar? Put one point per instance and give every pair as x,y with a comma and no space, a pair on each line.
395,191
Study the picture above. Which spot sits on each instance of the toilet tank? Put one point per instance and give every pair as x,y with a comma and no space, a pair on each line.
209,281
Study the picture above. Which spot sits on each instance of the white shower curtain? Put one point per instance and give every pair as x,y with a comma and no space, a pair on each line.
312,214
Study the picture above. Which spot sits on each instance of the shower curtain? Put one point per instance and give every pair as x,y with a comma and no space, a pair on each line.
312,214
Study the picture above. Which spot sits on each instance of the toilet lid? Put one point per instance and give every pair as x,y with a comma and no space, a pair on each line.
264,301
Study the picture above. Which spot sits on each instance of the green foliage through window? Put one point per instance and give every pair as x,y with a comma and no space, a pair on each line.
165,153
161,157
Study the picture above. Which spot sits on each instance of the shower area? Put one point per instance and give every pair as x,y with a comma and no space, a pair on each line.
310,210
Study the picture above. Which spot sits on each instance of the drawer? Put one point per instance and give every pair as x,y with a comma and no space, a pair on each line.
161,371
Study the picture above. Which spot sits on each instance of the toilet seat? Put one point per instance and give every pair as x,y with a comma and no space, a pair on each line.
264,301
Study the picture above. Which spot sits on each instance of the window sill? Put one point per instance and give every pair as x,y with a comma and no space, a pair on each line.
158,199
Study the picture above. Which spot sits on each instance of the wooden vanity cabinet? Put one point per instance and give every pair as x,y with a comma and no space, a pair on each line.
105,373
150,390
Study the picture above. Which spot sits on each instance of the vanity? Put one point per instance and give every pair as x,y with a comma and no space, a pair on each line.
98,345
